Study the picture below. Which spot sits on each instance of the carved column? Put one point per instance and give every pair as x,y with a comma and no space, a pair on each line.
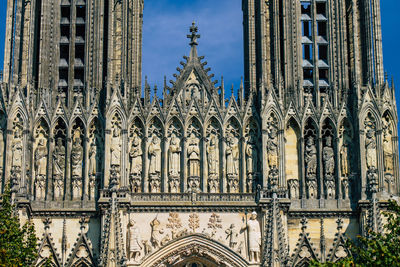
222,167
85,174
145,175
380,161
164,166
242,165
184,186
204,164
68,180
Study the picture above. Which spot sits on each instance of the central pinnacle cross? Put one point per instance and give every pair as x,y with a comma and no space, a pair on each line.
193,36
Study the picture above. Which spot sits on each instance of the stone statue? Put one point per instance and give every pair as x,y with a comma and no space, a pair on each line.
174,157
345,155
134,241
93,159
77,157
232,156
251,156
388,153
59,160
1,151
41,159
193,153
136,156
155,156
16,148
370,149
254,237
232,234
311,159
328,157
115,149
156,232
212,156
272,148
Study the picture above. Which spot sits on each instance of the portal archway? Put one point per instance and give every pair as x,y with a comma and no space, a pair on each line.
195,251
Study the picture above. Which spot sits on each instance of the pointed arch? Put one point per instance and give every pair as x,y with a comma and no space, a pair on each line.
191,246
213,126
155,126
175,125
193,121
292,153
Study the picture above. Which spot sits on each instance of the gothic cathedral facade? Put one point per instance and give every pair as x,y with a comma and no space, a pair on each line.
303,157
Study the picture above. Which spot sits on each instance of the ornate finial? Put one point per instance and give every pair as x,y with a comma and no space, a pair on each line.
193,36
304,223
83,221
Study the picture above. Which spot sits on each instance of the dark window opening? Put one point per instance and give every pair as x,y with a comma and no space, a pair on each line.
81,13
64,52
308,74
306,8
307,52
323,74
65,12
65,31
321,28
323,52
307,28
321,8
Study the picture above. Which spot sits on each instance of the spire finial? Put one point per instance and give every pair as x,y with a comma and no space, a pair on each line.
193,39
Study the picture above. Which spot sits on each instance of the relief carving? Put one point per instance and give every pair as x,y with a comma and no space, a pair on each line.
328,157
232,235
76,162
40,169
58,169
135,171
252,227
156,233
155,165
174,163
134,242
213,163
193,153
232,163
370,142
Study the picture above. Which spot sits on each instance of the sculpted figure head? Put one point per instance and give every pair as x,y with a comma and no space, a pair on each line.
310,141
254,215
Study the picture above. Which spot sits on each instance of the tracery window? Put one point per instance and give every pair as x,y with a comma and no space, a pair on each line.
315,48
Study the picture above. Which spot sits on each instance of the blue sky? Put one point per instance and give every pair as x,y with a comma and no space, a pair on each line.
166,24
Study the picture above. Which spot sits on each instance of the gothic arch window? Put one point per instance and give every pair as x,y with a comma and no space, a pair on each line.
292,167
311,159
136,135
329,159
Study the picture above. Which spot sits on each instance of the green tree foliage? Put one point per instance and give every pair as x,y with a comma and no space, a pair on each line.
378,249
18,243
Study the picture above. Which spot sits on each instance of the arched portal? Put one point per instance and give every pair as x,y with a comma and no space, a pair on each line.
195,251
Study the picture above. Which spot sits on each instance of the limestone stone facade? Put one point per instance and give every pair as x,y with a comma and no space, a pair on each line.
303,157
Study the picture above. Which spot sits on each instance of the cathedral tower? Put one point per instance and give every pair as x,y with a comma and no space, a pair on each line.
273,176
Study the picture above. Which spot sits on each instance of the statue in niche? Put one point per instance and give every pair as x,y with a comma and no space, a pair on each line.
115,149
40,169
370,148
254,237
272,148
58,168
345,155
174,156
232,156
16,148
232,235
328,157
388,153
251,156
155,156
213,163
134,241
135,172
93,159
193,152
136,156
76,161
311,159
156,233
